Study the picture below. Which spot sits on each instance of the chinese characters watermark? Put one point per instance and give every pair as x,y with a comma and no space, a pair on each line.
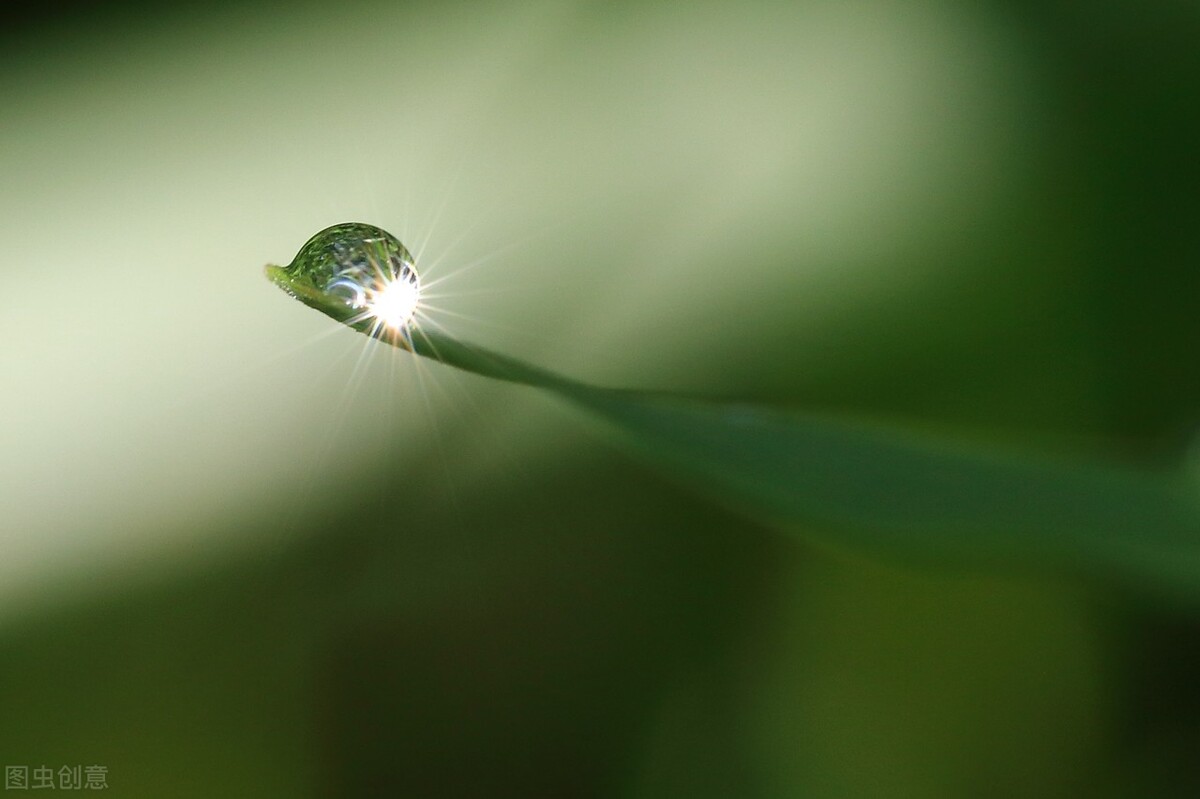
67,778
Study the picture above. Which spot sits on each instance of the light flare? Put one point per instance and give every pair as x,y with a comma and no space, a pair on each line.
395,305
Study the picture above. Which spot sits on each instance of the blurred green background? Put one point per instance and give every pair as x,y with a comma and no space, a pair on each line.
245,553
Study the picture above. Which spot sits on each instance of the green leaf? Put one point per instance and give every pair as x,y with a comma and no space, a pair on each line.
869,488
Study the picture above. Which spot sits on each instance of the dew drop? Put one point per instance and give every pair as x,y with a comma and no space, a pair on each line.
363,267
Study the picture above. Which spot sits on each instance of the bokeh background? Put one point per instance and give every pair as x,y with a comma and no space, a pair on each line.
245,553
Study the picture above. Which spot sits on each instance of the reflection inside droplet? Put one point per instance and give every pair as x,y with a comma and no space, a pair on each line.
364,267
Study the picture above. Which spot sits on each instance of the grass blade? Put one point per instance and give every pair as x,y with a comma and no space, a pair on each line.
874,489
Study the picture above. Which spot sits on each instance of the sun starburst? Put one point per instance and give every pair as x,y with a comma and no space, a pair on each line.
395,303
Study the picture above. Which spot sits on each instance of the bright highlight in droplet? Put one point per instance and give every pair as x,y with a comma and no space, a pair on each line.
396,303
361,268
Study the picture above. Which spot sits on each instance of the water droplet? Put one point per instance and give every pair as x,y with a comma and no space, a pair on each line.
365,268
